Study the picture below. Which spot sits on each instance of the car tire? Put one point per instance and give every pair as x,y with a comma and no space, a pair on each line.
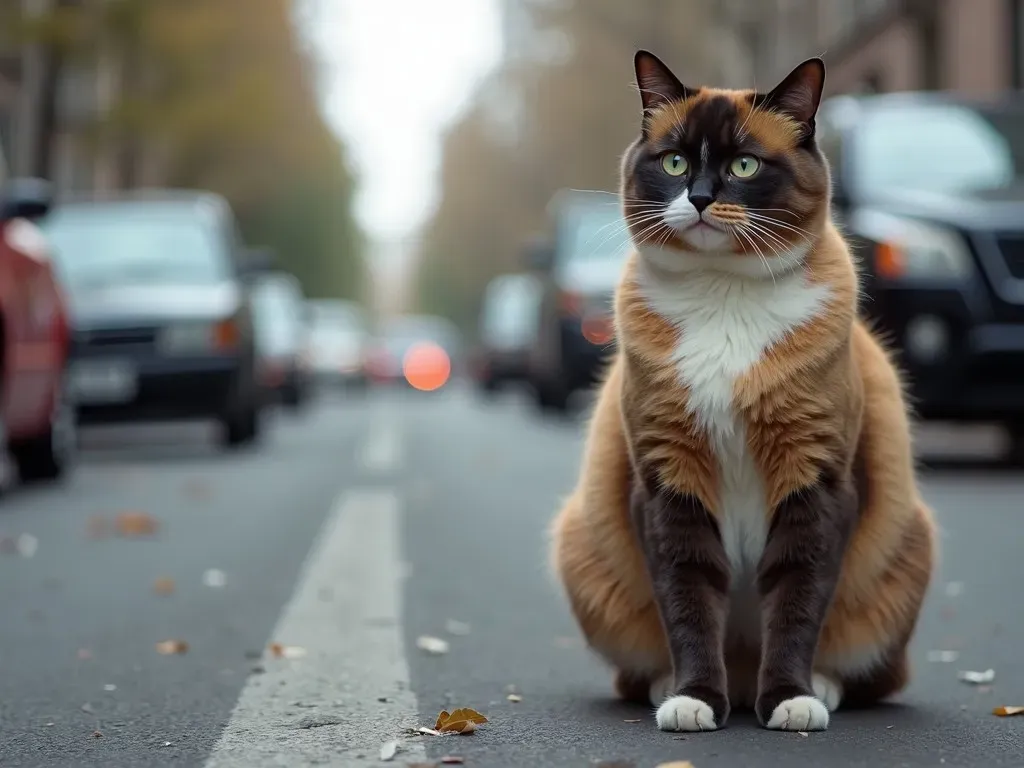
552,397
242,423
49,456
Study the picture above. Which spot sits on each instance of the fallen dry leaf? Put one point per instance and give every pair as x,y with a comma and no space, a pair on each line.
133,524
432,645
458,628
463,720
515,698
164,586
1008,711
172,647
388,750
279,651
452,760
977,678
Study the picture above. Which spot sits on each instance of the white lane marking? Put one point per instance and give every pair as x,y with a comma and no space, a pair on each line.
346,613
382,451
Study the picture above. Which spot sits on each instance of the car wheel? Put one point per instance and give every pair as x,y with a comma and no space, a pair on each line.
241,425
50,455
551,396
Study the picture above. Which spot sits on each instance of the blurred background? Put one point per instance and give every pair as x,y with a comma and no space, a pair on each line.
236,232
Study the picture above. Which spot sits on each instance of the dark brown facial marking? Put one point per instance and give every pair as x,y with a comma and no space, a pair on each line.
796,580
690,576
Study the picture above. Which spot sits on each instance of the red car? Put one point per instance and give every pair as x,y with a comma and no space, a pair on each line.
37,418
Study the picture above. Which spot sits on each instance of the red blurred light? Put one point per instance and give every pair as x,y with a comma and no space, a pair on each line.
426,367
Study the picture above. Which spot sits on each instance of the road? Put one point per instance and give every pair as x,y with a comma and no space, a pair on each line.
361,526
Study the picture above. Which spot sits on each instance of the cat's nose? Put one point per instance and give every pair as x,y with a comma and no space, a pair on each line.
700,201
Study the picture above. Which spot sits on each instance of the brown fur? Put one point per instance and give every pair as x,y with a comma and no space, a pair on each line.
825,399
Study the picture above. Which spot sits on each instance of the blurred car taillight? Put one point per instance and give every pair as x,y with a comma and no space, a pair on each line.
598,329
426,366
226,334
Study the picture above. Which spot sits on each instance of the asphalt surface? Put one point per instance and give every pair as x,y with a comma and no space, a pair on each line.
362,525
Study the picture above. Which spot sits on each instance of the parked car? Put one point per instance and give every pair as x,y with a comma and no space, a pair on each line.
418,351
508,324
279,318
37,417
337,339
929,187
162,325
579,269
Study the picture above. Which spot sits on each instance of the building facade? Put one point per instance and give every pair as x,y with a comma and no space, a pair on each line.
966,46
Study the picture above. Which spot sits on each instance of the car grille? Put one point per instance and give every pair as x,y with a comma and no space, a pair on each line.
116,338
1012,249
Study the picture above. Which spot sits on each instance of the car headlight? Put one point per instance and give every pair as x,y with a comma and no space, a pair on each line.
905,248
199,337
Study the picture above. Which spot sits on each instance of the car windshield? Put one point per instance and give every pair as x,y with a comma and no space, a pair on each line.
598,233
938,147
104,248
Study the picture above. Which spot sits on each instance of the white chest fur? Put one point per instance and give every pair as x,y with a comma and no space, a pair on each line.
727,322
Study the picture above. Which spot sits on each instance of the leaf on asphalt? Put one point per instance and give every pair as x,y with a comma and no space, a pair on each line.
280,651
164,586
172,647
457,628
463,720
136,524
977,678
1008,711
452,760
388,750
432,645
214,578
943,657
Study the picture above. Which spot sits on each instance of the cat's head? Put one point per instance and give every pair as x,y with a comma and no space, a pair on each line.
726,180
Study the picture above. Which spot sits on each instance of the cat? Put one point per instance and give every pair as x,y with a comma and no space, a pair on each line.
746,529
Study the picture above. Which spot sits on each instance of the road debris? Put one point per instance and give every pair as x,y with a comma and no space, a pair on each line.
432,645
214,578
1008,711
463,720
943,657
136,525
515,698
977,678
280,651
457,628
172,647
97,734
388,750
164,586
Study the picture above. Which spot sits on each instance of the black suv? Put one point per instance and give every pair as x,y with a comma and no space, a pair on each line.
929,189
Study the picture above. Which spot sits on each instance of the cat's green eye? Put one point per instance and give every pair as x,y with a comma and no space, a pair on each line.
744,166
674,164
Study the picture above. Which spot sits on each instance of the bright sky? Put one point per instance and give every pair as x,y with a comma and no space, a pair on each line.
401,71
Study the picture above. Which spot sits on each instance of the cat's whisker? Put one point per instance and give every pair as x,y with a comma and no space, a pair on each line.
760,254
783,224
758,223
756,227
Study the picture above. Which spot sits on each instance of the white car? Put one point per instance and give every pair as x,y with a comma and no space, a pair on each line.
337,342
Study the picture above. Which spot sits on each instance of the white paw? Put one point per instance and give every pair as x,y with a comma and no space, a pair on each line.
683,713
828,690
801,713
661,689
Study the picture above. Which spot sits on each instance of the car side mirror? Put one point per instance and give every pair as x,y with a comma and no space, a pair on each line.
540,255
26,198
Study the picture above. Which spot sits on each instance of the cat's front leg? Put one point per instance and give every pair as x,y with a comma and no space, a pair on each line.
690,576
797,579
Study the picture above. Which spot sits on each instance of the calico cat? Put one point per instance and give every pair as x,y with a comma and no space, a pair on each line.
746,529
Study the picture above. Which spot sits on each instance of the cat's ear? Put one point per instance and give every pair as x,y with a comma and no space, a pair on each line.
656,82
799,94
